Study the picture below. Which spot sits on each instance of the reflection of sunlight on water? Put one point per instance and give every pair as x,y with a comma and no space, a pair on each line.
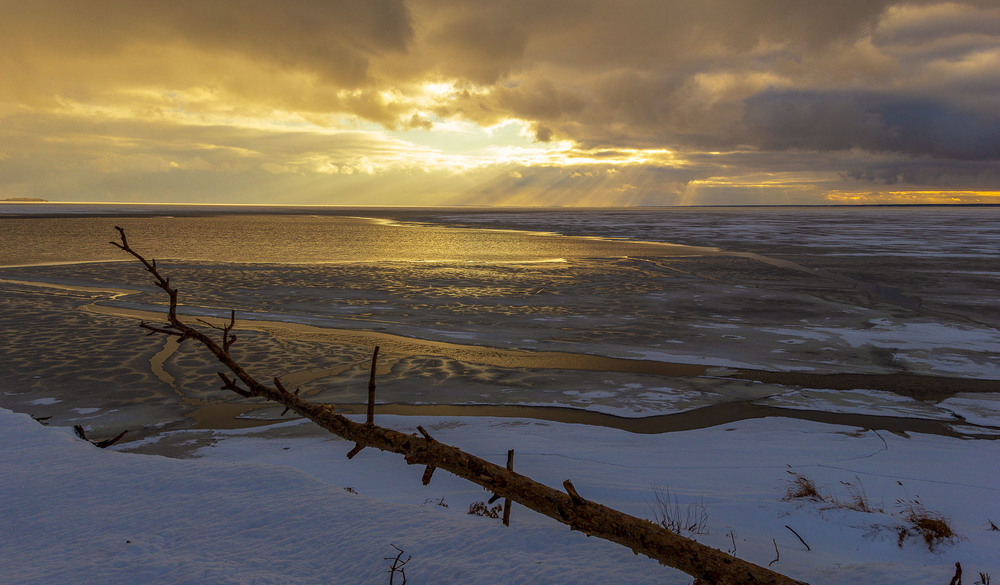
295,240
496,262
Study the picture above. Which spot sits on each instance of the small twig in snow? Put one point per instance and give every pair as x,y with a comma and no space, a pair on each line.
799,537
957,579
397,565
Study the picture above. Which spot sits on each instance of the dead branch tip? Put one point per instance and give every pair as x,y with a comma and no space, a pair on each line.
121,234
230,384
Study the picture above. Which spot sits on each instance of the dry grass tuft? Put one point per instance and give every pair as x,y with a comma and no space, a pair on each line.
802,488
481,509
932,527
858,498
668,512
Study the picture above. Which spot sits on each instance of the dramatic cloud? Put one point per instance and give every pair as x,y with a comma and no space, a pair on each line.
510,101
878,123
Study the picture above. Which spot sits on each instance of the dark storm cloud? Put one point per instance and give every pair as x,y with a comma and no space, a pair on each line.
923,76
631,72
951,175
779,120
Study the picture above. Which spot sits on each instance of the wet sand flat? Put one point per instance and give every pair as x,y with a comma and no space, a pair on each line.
617,329
924,387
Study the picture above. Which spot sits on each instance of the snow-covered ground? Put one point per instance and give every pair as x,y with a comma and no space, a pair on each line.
271,505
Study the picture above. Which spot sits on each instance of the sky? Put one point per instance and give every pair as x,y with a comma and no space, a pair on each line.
507,102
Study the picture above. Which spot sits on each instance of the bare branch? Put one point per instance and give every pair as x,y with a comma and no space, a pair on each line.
160,281
227,338
230,384
165,330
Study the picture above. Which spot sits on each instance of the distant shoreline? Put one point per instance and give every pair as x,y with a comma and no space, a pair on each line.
26,207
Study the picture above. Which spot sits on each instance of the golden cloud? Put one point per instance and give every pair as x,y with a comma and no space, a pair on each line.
338,90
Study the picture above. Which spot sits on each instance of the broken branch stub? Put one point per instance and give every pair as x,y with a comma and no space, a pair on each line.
371,389
641,536
506,501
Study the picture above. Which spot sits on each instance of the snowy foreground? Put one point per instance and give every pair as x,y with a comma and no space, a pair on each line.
269,505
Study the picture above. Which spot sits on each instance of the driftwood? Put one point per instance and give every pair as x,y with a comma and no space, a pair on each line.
706,564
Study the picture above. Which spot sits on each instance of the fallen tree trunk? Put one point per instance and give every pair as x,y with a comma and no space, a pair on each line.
706,564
